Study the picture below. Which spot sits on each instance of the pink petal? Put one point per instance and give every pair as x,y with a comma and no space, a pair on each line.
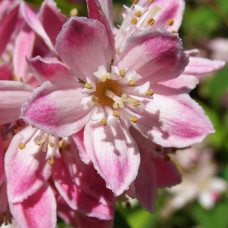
38,211
114,154
26,169
53,71
23,48
200,66
75,197
33,21
12,96
52,109
156,56
95,11
167,174
5,72
145,183
7,25
1,160
84,41
175,119
85,222
51,15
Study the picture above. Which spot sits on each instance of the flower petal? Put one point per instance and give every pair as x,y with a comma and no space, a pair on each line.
38,211
12,96
156,56
175,120
200,66
1,160
114,154
83,41
95,11
23,48
51,15
5,72
53,71
26,169
47,109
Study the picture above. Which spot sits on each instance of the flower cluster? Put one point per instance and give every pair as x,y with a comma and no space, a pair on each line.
90,112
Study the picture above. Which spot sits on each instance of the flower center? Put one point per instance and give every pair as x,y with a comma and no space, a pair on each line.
103,87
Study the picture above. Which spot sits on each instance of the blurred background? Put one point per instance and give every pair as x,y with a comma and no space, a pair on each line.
201,201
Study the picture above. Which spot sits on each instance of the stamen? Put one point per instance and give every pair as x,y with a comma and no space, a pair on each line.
44,148
150,1
103,121
134,119
105,77
166,158
41,141
170,22
150,21
158,148
131,82
51,144
134,20
67,147
134,2
88,85
22,146
122,73
150,92
136,103
138,13
74,12
116,113
51,162
174,31
60,144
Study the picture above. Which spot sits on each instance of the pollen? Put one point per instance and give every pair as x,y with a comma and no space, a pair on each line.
51,162
122,73
103,121
150,92
138,13
105,77
74,12
22,146
136,103
174,31
60,144
88,85
134,2
134,20
150,1
131,82
116,114
170,22
150,21
134,119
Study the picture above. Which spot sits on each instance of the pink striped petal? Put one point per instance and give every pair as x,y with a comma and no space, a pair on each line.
7,25
156,56
51,15
26,169
33,21
107,8
167,174
175,119
200,66
95,11
54,71
5,72
114,154
75,196
24,45
83,41
12,96
38,211
47,109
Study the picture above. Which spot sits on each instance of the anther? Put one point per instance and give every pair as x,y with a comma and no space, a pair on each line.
67,147
134,119
51,162
88,85
174,31
150,1
122,73
131,82
134,2
150,21
134,20
136,103
74,12
22,146
60,144
103,121
166,158
138,13
150,92
116,113
105,77
170,22
158,148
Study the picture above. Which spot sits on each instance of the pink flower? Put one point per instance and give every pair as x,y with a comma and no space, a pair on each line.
105,93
